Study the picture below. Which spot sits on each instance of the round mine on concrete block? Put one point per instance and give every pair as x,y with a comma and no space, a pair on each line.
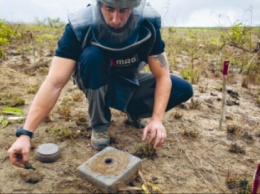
110,169
110,163
47,153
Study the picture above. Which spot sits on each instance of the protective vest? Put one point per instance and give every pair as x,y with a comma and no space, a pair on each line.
84,22
124,61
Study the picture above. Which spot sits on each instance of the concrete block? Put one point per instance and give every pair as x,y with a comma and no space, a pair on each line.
110,169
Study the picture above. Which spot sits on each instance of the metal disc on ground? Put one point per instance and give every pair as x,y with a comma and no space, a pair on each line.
47,153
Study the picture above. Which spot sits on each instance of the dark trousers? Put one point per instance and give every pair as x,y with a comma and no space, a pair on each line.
92,77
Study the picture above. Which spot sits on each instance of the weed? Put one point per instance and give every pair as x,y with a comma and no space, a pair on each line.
203,89
238,184
43,70
7,33
187,74
146,151
25,59
240,38
177,115
65,112
44,37
191,134
12,100
195,104
192,75
233,129
78,96
244,83
81,118
60,132
32,89
248,137
47,119
66,100
2,54
237,149
233,94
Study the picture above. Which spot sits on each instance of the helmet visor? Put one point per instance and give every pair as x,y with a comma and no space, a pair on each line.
121,3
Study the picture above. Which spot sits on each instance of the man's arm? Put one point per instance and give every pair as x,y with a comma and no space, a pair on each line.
47,96
160,69
59,74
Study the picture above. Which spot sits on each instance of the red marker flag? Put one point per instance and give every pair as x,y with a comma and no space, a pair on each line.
256,183
225,67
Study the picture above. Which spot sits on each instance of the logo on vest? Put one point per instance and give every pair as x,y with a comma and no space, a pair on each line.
124,62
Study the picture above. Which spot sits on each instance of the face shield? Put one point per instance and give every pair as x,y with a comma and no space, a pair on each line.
107,36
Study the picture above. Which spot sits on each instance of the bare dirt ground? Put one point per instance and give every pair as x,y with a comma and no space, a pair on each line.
197,157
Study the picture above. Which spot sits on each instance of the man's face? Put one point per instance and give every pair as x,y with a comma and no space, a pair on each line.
115,17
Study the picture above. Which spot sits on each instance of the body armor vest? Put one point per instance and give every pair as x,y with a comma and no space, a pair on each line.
140,30
88,25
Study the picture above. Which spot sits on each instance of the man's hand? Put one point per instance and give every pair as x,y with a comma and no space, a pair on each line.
157,133
19,151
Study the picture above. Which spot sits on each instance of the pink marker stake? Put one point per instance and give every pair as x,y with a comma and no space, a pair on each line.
33,48
224,91
225,68
256,183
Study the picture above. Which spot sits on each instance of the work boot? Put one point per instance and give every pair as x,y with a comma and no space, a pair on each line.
134,122
100,140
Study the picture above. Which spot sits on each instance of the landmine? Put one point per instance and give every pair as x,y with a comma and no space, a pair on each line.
110,169
48,152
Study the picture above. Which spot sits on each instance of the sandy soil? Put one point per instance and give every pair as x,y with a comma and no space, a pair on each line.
197,157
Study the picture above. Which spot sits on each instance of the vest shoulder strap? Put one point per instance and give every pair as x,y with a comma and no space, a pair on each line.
80,21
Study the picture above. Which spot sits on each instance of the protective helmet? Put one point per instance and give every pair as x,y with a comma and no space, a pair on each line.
121,3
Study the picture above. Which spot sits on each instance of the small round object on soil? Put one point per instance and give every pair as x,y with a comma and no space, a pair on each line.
47,153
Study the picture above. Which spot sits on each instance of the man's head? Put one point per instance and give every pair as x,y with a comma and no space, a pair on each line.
116,12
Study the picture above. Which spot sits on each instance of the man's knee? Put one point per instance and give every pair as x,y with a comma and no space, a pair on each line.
181,91
181,88
187,91
92,68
